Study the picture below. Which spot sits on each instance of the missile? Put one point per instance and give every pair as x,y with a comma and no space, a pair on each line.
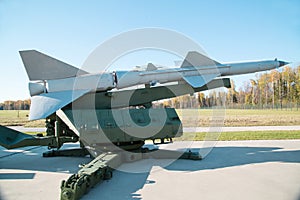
55,84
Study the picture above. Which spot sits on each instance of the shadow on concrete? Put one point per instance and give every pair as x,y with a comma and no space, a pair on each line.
122,186
222,157
125,185
30,158
7,176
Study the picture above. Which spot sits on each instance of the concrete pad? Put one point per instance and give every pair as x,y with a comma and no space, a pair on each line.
232,170
243,128
191,129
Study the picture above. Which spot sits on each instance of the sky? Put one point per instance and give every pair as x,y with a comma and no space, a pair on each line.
229,30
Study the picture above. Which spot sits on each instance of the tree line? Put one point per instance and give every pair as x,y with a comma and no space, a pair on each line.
274,89
270,90
15,105
277,89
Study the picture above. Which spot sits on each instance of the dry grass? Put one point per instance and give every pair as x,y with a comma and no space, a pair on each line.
18,118
190,117
239,117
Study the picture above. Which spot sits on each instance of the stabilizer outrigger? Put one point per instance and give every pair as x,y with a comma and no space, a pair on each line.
11,139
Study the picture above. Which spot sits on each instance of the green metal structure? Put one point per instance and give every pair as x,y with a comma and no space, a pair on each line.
109,132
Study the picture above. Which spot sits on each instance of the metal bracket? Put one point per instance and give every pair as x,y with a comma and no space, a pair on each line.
10,139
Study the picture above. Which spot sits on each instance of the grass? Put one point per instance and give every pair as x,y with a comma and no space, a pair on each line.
18,118
203,117
242,135
190,117
35,133
13,117
238,117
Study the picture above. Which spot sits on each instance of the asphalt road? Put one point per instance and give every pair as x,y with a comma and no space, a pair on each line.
231,170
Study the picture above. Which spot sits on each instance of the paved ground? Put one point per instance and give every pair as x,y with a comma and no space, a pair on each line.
193,129
244,128
232,170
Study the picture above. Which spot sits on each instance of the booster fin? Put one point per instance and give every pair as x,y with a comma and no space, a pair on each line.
42,67
46,104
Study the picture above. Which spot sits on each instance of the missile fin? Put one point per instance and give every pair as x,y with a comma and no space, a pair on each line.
199,81
151,67
42,67
195,59
46,104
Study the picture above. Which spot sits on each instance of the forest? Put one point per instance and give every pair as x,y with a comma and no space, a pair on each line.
271,90
15,105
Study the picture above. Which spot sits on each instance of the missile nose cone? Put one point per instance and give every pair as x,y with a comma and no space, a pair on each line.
282,63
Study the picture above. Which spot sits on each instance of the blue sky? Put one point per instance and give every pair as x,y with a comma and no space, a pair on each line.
70,30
